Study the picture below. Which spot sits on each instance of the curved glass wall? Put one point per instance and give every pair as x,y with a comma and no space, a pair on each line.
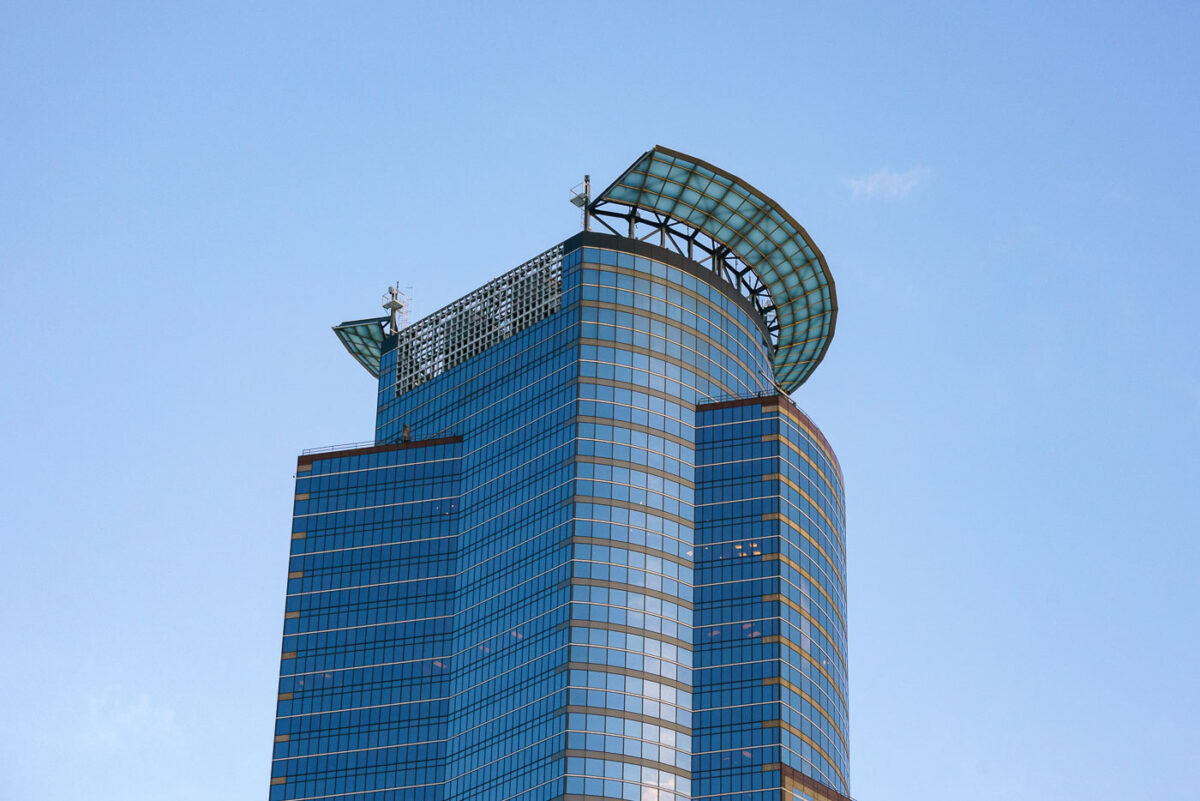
770,626
655,339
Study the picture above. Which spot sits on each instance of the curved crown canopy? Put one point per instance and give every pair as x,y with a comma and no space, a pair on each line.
780,269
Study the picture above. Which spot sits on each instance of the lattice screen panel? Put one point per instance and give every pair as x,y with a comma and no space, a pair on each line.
489,315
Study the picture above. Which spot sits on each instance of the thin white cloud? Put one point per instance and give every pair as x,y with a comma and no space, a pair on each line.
888,184
116,715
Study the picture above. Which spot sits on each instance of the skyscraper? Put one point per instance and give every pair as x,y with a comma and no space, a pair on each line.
595,551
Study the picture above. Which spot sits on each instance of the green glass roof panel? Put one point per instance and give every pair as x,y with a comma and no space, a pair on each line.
762,235
364,340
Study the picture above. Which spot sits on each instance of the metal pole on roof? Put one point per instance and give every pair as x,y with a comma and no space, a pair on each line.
587,195
584,201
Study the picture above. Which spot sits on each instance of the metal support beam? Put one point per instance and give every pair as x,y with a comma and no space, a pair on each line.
701,248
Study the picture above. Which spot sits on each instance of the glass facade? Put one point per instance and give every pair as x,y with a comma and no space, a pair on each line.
601,558
770,625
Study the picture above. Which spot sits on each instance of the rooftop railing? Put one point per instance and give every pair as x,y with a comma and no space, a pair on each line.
349,446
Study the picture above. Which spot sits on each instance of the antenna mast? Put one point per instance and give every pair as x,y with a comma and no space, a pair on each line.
397,305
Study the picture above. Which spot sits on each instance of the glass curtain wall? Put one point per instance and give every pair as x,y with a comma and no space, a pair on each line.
580,570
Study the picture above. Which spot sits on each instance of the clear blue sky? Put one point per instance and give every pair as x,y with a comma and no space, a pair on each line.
1006,195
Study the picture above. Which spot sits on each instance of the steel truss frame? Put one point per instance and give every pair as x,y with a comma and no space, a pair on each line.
691,243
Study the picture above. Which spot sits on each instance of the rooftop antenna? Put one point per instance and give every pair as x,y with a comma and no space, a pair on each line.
396,303
581,196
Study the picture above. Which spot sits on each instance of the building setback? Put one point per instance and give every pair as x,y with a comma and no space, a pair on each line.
595,551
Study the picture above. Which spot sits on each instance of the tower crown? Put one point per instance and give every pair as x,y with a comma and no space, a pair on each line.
718,221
